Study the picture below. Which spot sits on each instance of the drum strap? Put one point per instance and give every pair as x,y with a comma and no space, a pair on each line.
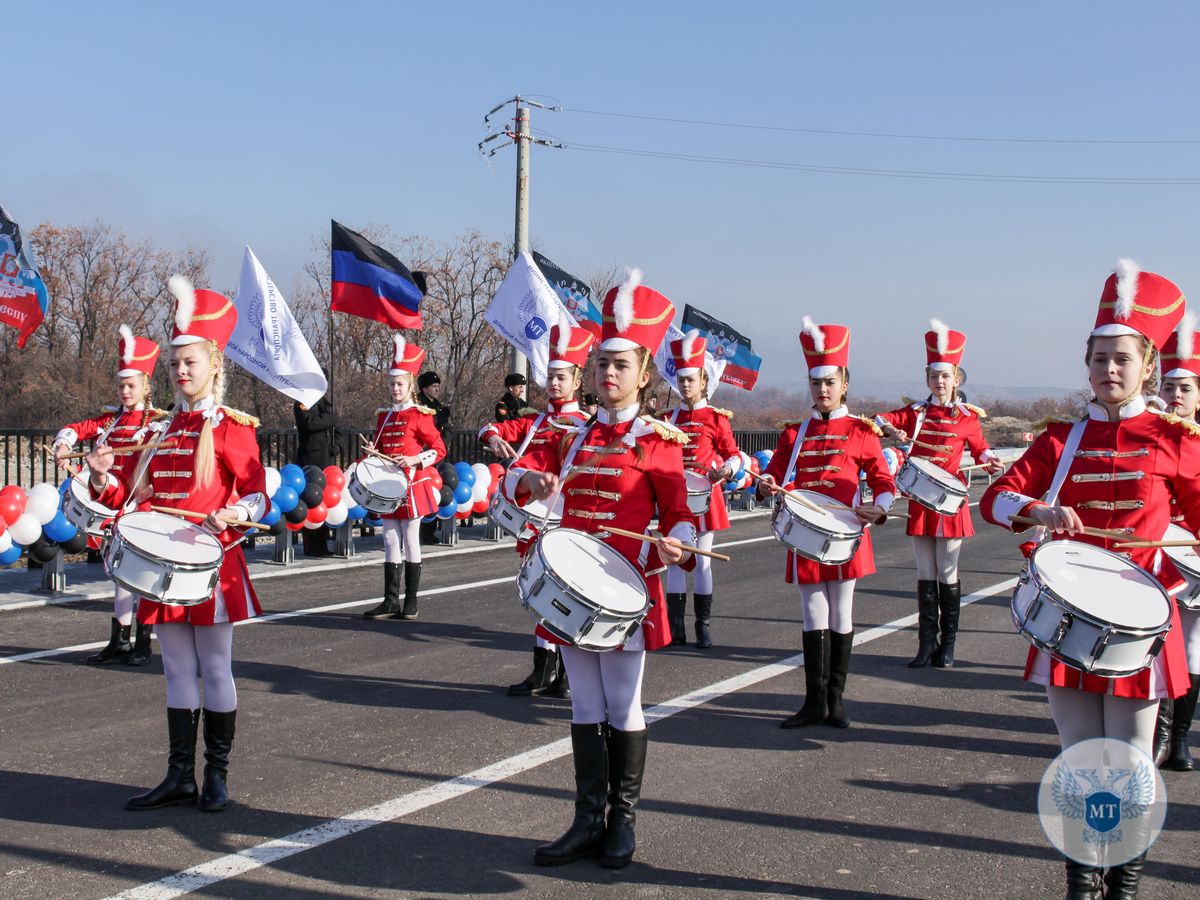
1063,469
103,436
675,414
537,423
791,466
382,426
562,473
920,421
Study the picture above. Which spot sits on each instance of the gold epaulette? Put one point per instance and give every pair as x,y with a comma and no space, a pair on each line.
870,423
528,411
978,410
154,415
788,423
727,413
1186,424
1053,420
908,401
424,409
666,430
108,410
240,417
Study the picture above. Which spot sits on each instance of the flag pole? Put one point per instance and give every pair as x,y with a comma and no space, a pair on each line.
521,238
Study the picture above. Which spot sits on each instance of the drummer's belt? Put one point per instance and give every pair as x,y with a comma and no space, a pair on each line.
837,452
589,514
1109,476
819,483
1112,454
596,470
826,437
1110,505
588,492
821,469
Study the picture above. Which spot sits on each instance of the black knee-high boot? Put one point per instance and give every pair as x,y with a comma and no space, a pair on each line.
950,605
1180,758
118,647
927,623
1121,882
676,612
840,646
179,787
816,682
412,584
141,654
391,594
562,683
1084,882
589,748
626,766
541,679
218,741
1162,730
703,605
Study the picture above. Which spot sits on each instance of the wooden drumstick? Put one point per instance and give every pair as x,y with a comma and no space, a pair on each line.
74,470
1131,545
651,539
799,498
122,451
899,435
200,517
1090,532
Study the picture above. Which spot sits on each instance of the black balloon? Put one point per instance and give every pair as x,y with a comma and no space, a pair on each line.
76,544
297,513
312,495
449,475
278,528
315,475
42,550
446,495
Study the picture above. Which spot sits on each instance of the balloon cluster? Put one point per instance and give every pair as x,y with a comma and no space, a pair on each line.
310,497
32,520
464,489
741,478
894,457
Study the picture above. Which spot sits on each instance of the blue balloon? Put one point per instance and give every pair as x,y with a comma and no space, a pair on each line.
11,555
64,486
59,529
285,498
273,515
357,513
466,475
293,476
462,493
373,523
447,511
432,517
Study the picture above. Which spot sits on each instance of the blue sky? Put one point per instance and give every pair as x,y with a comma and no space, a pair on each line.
230,123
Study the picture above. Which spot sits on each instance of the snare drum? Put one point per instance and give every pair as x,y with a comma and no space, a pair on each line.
699,492
1187,561
582,591
163,558
377,485
931,486
830,535
1091,609
515,519
83,512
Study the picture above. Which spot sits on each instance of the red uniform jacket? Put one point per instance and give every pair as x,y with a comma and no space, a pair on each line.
409,430
626,467
834,453
1123,476
238,478
710,440
954,427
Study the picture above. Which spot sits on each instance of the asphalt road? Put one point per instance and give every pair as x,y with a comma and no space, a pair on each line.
353,738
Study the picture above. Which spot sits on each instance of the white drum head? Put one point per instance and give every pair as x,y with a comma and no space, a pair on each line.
936,472
382,478
1102,584
79,490
837,518
536,510
594,570
697,483
169,538
1183,557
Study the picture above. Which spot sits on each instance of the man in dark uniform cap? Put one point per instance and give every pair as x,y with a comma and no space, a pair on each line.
430,395
510,405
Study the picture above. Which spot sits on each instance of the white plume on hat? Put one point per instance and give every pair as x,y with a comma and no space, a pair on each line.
688,345
1127,281
185,300
564,333
126,344
401,343
809,327
942,330
623,306
1186,335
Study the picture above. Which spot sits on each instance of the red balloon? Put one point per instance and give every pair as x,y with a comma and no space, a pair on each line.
316,514
332,496
465,514
334,478
435,479
497,471
480,508
293,526
10,509
17,493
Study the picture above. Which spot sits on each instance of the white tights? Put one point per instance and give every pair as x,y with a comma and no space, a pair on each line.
1190,619
194,653
1080,715
677,578
124,603
402,540
828,605
606,687
937,558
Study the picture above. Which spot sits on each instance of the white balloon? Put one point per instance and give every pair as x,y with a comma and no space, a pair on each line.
312,526
466,507
335,517
483,475
43,489
480,491
5,541
41,507
26,529
274,479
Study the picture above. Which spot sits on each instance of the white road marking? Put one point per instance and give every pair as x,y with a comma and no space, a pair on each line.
209,873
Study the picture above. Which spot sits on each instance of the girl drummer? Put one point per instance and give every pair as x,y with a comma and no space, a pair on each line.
119,427
1181,392
408,433
828,454
939,428
209,464
616,470
712,453
1118,469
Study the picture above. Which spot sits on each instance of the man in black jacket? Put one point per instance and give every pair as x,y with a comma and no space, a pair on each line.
509,406
317,431
431,395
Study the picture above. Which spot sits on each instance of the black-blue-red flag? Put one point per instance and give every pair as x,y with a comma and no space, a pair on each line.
369,282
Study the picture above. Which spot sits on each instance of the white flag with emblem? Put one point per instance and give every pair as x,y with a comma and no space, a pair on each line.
523,311
267,341
666,362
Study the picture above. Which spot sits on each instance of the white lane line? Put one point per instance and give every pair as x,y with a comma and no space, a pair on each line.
310,611
209,873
